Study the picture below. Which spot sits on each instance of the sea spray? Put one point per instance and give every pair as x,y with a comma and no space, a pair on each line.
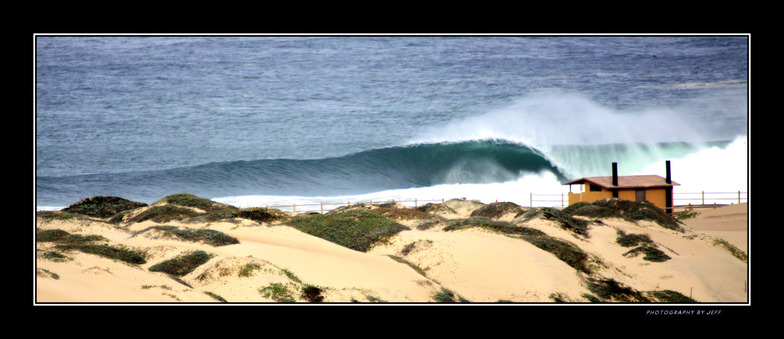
548,117
713,169
582,137
634,158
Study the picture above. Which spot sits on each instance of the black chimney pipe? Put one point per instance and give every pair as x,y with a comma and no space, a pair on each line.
615,174
669,177
668,190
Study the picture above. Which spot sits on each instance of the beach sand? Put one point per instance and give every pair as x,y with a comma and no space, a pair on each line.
415,265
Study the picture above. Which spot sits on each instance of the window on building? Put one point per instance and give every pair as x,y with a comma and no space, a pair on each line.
640,195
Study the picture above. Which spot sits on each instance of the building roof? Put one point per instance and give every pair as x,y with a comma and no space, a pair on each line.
626,181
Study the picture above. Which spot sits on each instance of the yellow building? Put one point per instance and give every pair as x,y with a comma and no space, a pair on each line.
652,188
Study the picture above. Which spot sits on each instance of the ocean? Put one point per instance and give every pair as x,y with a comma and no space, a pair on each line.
280,120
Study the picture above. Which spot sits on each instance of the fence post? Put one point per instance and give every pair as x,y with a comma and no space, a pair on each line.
294,208
739,197
703,197
415,203
322,207
531,200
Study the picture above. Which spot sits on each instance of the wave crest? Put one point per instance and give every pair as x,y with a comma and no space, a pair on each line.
482,165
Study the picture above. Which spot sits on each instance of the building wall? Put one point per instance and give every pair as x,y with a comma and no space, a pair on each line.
630,195
656,196
589,196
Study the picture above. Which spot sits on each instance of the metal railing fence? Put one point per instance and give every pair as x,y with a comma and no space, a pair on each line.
693,199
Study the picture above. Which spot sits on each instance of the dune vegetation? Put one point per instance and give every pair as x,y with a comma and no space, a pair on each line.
593,242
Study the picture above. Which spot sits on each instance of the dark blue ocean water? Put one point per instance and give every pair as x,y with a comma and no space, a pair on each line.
142,117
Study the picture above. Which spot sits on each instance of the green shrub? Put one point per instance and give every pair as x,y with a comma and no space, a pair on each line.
291,275
563,250
215,211
247,270
84,243
557,297
414,267
63,237
261,215
190,200
107,251
611,290
82,239
426,225
356,229
312,294
563,219
592,298
183,264
60,215
51,235
103,206
624,209
408,248
644,245
736,252
165,213
686,215
590,210
277,292
215,296
447,296
497,209
207,236
55,256
651,253
631,240
669,296
434,208
396,213
498,226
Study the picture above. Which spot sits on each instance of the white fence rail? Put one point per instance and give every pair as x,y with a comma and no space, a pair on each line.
708,198
680,199
322,207
694,199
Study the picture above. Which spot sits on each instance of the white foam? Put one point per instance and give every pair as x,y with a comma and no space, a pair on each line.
550,117
712,169
48,208
518,191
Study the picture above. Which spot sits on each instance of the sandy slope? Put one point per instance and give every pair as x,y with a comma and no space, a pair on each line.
729,223
477,265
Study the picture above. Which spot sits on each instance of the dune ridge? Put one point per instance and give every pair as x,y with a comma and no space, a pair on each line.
461,251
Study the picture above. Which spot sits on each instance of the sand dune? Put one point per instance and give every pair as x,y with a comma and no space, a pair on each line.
278,262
